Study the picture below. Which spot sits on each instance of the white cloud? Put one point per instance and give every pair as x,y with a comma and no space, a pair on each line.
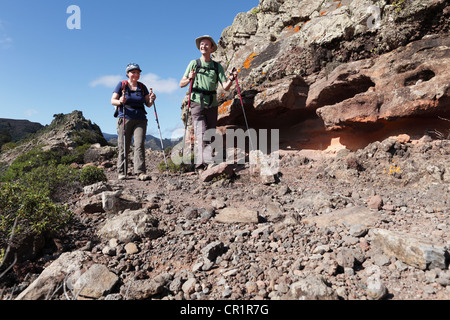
106,81
5,40
176,132
31,112
159,85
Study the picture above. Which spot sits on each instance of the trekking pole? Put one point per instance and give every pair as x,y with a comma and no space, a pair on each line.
187,118
159,129
124,139
243,110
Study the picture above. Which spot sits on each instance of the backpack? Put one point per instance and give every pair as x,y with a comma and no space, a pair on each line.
199,66
206,92
125,85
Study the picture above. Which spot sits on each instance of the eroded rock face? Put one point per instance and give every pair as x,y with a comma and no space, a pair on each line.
408,82
358,65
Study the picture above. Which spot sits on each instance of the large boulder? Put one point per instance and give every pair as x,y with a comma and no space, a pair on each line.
131,225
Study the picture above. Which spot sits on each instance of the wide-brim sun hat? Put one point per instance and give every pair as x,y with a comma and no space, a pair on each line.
133,66
213,43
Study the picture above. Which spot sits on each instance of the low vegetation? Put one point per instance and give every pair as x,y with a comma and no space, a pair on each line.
184,163
33,187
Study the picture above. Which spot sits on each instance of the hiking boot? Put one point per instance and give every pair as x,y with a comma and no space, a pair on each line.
121,177
143,177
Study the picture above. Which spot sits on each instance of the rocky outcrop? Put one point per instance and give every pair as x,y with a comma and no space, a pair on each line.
411,82
332,69
65,132
72,130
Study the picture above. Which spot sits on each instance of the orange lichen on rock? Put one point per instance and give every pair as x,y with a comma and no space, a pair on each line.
224,107
248,61
293,29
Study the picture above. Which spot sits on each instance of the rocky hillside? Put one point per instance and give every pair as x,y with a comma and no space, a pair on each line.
370,224
65,132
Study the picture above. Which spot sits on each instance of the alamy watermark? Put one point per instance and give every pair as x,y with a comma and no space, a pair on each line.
74,20
263,146
374,21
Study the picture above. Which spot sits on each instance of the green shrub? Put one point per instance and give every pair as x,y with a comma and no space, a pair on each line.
50,179
35,211
398,5
172,167
184,166
31,186
28,161
91,174
8,146
76,155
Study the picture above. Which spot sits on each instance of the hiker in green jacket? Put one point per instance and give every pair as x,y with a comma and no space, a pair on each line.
205,75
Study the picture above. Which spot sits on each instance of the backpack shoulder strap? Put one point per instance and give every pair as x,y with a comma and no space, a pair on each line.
215,68
141,85
125,85
198,65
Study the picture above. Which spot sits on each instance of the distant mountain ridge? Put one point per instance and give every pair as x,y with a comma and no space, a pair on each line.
151,142
12,130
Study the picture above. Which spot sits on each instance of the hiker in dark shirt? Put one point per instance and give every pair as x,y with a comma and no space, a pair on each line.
130,98
205,74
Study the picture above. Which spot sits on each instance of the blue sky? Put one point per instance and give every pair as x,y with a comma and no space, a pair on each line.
48,68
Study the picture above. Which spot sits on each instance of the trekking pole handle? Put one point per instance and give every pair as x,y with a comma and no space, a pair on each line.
193,74
151,101
233,74
151,92
124,97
